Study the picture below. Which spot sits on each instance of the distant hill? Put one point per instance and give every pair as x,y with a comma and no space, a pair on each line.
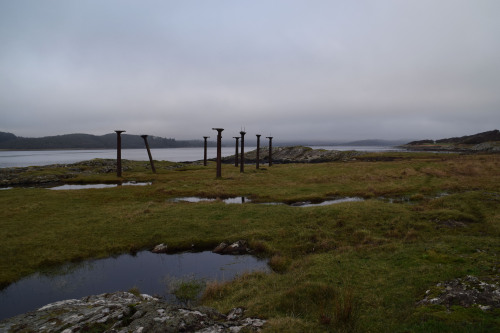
372,142
468,139
88,141
481,142
474,139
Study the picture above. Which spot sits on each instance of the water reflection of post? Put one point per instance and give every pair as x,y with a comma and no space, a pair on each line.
119,153
236,150
145,137
205,151
270,150
242,163
258,151
219,151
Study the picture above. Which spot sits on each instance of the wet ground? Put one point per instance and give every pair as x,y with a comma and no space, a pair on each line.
151,273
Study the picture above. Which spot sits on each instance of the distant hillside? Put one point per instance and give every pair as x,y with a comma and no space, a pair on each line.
88,141
474,139
481,142
468,139
308,143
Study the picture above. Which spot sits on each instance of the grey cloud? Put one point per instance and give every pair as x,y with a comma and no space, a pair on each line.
310,69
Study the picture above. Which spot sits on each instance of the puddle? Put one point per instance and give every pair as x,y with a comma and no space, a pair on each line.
235,200
411,200
311,204
395,200
326,203
241,200
86,186
58,186
149,272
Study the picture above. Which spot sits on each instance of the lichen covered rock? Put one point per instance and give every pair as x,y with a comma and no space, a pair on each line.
466,292
122,312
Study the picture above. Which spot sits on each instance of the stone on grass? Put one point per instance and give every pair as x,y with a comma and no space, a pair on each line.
160,248
126,312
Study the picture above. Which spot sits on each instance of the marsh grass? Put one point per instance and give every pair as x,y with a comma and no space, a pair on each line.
186,290
354,266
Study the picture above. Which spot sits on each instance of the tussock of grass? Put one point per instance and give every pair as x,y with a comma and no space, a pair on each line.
354,266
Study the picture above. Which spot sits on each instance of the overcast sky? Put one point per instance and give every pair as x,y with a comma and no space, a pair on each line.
310,69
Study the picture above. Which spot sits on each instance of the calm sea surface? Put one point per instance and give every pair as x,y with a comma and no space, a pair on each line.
23,158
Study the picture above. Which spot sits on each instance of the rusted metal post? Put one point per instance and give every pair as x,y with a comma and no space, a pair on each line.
236,150
258,151
219,151
145,137
119,153
270,150
205,151
242,163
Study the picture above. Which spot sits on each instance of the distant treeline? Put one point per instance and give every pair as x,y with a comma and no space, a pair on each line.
88,141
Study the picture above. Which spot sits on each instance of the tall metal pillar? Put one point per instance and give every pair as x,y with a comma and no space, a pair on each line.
219,151
205,151
270,150
145,137
258,151
119,153
236,150
242,163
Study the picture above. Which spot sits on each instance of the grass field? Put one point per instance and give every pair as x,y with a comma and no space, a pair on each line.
350,267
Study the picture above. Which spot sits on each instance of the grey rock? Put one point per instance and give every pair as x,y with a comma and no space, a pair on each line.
238,247
160,248
466,292
296,154
235,314
220,248
125,312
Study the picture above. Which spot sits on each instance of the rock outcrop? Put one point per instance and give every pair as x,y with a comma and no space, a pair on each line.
466,292
57,173
160,248
296,154
123,312
239,247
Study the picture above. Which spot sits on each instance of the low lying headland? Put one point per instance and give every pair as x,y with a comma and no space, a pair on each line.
428,263
477,143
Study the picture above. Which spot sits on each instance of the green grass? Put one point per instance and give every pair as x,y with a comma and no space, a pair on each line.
354,266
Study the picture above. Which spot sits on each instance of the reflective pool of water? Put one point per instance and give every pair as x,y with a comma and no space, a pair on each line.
85,186
235,200
58,186
240,200
151,273
326,202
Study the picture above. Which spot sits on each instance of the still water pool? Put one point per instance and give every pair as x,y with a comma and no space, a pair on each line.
152,273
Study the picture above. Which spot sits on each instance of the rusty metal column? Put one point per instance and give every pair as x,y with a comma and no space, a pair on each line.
258,151
219,152
236,150
205,151
119,153
270,150
242,163
145,137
